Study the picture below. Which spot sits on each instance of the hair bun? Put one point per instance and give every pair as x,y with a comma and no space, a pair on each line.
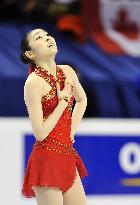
24,59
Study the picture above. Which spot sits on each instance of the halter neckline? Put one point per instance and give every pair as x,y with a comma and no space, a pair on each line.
60,76
47,72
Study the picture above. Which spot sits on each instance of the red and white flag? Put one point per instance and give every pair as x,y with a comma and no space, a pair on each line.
114,25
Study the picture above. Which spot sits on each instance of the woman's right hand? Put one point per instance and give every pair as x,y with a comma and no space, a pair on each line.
65,92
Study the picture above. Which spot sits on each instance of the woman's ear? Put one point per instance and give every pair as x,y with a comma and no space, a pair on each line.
30,54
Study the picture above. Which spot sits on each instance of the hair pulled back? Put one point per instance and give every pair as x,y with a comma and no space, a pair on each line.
24,46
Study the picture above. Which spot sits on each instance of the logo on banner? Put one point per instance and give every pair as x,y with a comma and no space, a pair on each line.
129,160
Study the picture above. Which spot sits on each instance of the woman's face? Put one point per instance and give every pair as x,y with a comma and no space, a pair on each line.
42,44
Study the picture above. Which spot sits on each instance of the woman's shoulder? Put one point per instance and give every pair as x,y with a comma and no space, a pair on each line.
64,66
33,80
67,69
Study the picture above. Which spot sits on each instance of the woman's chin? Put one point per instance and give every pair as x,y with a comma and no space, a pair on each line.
53,51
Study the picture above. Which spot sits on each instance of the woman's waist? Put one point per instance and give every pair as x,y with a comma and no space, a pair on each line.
63,125
53,142
56,145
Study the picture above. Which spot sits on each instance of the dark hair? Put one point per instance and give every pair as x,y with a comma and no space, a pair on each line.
24,46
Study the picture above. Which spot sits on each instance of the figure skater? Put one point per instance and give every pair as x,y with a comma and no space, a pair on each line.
54,169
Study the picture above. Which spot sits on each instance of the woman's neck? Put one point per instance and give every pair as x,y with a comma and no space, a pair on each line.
49,66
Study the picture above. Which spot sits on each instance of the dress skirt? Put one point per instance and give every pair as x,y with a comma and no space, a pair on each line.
52,163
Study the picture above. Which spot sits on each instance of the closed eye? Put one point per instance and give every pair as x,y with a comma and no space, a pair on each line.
38,37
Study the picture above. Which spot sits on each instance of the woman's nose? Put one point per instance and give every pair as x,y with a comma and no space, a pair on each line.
47,38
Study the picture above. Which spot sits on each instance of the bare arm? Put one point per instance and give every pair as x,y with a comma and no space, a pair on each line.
32,97
81,102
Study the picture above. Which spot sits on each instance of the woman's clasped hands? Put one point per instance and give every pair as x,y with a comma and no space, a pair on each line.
66,92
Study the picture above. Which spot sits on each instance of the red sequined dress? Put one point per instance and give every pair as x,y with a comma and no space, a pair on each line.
53,161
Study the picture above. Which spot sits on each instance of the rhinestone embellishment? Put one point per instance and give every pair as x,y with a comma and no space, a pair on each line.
46,99
68,148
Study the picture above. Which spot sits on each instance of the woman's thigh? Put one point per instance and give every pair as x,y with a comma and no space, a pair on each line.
48,195
75,194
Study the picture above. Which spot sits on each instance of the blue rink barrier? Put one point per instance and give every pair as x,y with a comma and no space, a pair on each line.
112,162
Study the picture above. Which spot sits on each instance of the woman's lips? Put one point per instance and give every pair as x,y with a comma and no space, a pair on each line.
51,44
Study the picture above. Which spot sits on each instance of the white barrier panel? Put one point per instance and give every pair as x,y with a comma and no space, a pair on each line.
13,132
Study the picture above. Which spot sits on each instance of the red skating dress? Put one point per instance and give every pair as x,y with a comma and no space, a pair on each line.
53,161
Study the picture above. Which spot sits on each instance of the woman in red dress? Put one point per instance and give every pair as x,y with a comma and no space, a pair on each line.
54,170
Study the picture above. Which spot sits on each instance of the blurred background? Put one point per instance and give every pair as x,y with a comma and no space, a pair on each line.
100,39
